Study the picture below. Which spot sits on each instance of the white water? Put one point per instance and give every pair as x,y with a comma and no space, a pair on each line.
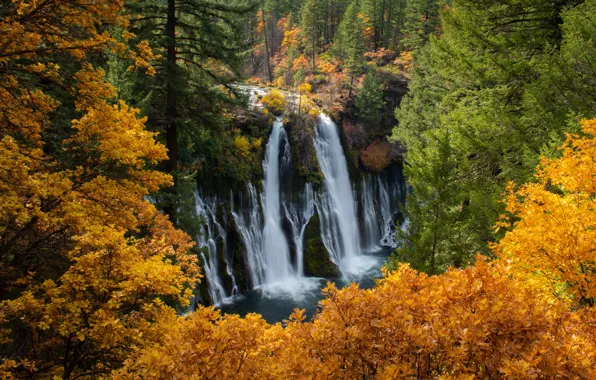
336,205
379,207
206,240
275,247
299,215
389,228
248,222
372,228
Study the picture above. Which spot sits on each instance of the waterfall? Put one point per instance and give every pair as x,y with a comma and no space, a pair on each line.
336,204
299,215
371,226
389,228
380,205
207,241
275,247
249,225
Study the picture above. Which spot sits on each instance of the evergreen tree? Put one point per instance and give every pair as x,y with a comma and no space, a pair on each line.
312,22
421,21
369,99
432,209
200,41
350,41
500,81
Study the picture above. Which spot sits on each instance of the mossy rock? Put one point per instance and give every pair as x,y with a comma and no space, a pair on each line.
301,131
317,262
240,268
201,292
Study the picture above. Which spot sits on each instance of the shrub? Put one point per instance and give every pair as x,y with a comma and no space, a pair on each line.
376,156
274,101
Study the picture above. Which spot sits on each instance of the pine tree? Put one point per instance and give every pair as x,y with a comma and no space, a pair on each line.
433,208
421,21
312,22
514,101
350,42
370,99
202,50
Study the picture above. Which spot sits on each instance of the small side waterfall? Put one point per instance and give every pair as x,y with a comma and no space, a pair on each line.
389,228
275,247
336,205
371,226
299,215
380,205
207,240
249,225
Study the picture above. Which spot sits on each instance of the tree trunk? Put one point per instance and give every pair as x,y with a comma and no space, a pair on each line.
171,108
269,73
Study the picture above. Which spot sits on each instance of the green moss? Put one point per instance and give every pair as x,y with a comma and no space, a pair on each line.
316,256
301,129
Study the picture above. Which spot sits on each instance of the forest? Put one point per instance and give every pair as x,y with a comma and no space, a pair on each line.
277,189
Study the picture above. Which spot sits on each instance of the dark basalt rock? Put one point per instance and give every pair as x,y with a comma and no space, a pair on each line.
316,256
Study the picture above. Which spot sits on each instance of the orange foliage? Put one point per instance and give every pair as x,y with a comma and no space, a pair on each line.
473,323
376,156
555,221
404,61
300,63
326,67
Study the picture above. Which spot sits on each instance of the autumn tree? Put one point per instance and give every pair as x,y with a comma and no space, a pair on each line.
554,222
476,322
86,261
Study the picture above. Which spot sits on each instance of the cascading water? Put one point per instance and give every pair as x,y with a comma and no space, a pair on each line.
299,215
336,204
207,239
269,225
249,225
371,227
380,205
389,228
275,247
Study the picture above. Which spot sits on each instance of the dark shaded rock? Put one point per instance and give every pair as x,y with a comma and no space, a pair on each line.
301,130
316,256
236,246
286,227
201,292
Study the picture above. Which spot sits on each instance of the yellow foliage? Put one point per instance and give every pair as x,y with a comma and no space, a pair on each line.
554,236
305,88
477,322
275,101
280,82
242,145
257,143
89,258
